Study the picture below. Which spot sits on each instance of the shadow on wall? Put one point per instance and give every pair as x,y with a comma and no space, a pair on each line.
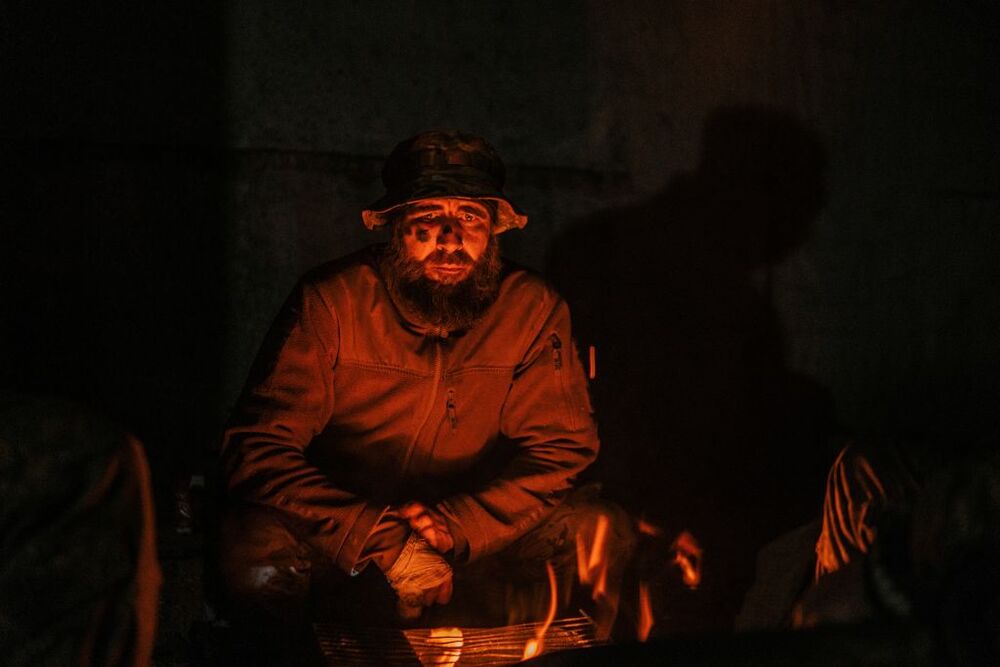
703,426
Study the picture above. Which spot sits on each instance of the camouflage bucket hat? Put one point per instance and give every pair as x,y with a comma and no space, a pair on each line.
444,163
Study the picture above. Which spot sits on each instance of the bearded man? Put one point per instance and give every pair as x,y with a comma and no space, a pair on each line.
419,405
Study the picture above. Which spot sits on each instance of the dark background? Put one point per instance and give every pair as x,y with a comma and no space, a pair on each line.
775,221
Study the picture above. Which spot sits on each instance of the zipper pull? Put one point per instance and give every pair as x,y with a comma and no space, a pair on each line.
452,416
556,350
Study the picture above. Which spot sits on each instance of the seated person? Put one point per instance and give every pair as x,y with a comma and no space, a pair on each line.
908,538
417,407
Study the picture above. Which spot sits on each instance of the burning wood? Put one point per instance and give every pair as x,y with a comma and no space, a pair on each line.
684,552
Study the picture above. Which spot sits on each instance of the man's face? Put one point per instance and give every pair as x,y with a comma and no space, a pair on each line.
447,235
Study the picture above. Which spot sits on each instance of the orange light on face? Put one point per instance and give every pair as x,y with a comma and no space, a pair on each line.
645,612
536,645
687,556
452,226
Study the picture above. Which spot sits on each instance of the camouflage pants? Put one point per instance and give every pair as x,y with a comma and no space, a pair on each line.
269,573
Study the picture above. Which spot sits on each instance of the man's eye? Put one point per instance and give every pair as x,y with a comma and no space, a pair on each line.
427,216
469,217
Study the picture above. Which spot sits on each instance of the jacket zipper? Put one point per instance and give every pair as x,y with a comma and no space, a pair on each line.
431,400
452,416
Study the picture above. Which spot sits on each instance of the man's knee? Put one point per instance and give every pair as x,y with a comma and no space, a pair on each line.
598,519
261,560
582,519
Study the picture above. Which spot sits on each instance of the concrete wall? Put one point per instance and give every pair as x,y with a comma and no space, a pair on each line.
597,104
177,168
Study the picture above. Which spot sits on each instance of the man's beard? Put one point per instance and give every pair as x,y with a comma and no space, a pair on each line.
453,307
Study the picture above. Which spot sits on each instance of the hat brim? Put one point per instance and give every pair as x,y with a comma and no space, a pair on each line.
452,183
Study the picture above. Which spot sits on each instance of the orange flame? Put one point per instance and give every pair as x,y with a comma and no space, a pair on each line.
443,646
600,535
591,564
687,556
601,585
536,645
646,528
581,560
645,612
530,649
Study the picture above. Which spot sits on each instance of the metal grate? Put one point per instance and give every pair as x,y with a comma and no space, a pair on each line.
348,645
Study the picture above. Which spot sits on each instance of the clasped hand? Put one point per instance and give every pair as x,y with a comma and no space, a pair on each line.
421,576
430,525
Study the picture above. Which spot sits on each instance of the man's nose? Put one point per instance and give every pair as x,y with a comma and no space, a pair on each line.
448,238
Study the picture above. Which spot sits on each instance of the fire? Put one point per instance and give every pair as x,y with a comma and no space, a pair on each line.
647,528
601,585
536,645
597,549
687,556
592,564
645,612
594,568
581,560
443,646
531,649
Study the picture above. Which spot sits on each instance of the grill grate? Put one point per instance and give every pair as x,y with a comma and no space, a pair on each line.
349,645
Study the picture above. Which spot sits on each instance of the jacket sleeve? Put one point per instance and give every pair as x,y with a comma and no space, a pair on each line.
288,399
547,415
